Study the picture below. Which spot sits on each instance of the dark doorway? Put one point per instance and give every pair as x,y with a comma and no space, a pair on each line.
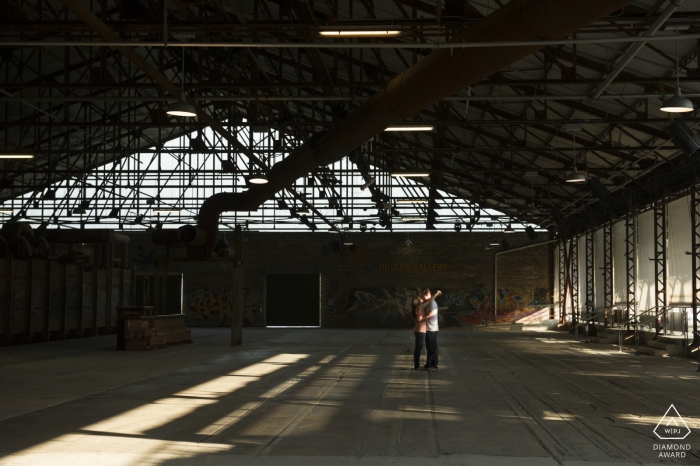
293,300
145,289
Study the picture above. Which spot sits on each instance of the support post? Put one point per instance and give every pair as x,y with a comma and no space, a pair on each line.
608,271
695,220
590,285
562,281
238,291
660,263
630,263
573,257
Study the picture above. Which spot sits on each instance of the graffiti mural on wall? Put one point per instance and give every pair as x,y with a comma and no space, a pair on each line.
385,307
143,257
209,307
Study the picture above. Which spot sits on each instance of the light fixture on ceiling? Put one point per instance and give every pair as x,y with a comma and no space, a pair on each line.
532,208
182,107
509,229
575,176
303,211
411,201
458,227
166,210
493,241
258,178
411,128
677,103
337,32
16,155
409,174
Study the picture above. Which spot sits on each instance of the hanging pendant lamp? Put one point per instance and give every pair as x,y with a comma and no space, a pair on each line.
575,176
677,103
182,108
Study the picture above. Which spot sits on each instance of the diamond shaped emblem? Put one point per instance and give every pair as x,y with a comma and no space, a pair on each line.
672,426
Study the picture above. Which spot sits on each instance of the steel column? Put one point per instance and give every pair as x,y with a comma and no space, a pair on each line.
695,219
660,259
630,263
562,281
574,280
608,269
590,283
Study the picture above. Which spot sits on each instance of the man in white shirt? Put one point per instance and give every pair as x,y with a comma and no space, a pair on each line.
431,333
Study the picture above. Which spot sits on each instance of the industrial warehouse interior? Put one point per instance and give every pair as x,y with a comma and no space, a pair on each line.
349,232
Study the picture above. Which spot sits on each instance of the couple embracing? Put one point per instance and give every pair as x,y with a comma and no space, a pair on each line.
425,315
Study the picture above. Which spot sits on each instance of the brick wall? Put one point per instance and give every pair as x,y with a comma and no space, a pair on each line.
372,286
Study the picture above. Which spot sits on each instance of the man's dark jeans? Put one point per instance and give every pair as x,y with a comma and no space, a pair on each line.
432,346
420,343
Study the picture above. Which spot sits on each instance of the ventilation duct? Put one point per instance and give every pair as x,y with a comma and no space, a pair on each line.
437,76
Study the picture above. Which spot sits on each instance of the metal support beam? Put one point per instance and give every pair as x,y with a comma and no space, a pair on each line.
695,254
562,281
590,284
660,258
608,269
634,50
575,311
630,263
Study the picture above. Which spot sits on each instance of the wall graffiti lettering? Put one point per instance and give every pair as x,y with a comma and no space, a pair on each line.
386,307
210,305
142,258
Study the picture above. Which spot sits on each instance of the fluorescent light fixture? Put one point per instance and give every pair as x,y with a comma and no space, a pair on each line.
182,108
6,211
409,174
411,201
359,32
348,243
509,229
411,128
677,104
493,241
413,219
166,210
16,155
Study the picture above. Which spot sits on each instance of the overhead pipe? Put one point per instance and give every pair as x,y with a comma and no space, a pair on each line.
341,45
632,52
435,77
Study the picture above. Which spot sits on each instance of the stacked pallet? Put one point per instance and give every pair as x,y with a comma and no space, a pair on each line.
138,330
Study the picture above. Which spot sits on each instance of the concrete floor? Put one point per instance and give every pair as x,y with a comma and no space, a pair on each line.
341,397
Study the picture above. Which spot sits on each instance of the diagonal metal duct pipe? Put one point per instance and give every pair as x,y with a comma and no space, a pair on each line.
435,77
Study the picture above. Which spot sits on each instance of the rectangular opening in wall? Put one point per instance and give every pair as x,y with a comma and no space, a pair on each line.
145,290
292,300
